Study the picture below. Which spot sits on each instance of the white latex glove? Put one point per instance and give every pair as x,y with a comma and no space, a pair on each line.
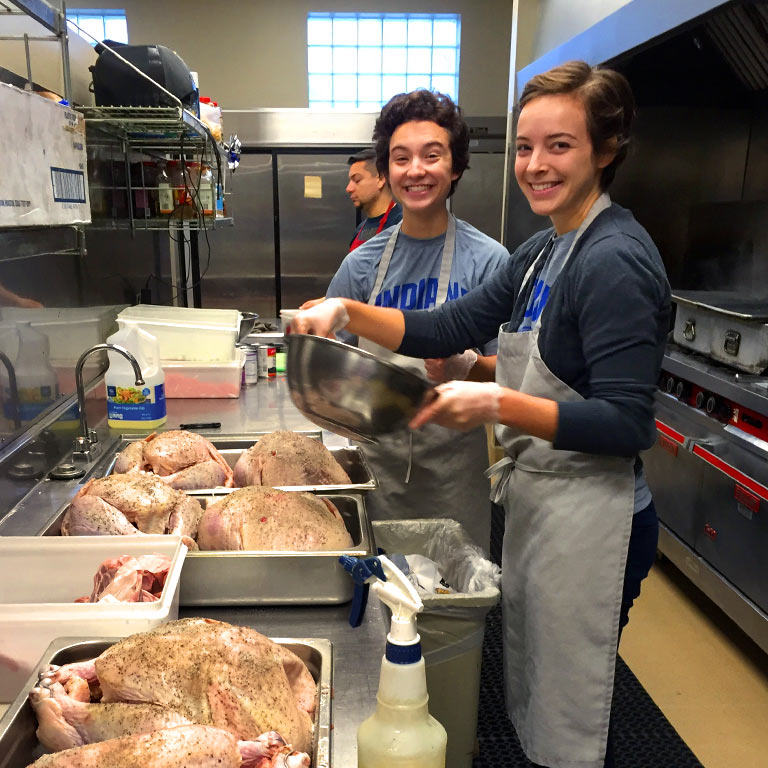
453,368
323,319
461,405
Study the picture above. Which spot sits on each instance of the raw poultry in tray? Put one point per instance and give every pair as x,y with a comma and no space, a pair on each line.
255,698
182,459
288,458
188,461
253,518
130,504
258,518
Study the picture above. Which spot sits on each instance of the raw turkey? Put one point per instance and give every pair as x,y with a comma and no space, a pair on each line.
257,518
129,579
64,722
130,504
186,746
208,672
288,458
182,459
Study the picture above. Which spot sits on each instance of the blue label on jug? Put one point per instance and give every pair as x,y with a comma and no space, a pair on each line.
32,402
136,403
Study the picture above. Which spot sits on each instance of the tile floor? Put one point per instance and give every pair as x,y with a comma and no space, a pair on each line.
709,679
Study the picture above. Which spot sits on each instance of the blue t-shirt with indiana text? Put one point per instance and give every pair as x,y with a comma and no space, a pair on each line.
412,278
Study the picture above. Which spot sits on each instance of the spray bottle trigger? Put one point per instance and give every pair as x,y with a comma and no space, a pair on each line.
363,571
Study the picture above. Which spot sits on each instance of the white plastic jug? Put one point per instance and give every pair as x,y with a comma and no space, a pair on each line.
129,406
35,378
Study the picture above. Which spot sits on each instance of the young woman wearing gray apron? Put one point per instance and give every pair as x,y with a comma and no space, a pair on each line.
436,472
568,522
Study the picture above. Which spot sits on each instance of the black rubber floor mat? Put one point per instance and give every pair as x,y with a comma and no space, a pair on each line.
644,738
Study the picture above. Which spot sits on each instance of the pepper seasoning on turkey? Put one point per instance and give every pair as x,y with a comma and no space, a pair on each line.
261,518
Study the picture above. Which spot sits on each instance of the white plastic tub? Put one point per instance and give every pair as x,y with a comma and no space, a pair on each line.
70,330
42,576
187,333
196,379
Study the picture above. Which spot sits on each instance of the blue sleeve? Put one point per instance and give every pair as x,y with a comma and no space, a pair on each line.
622,305
354,280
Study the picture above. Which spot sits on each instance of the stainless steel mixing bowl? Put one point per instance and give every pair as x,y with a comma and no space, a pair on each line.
350,391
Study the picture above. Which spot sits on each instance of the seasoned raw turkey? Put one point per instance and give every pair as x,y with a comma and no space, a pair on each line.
64,721
187,746
288,458
182,459
206,671
258,518
130,504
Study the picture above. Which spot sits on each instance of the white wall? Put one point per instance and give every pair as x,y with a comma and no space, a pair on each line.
253,54
560,20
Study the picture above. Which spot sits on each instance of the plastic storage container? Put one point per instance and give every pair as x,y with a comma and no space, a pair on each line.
70,330
42,576
186,333
452,627
196,379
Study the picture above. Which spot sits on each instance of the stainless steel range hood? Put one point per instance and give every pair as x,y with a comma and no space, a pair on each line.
736,29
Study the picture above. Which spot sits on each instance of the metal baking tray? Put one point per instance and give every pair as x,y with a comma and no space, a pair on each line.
271,578
351,458
19,745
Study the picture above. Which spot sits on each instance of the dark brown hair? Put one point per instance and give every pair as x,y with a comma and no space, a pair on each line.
423,105
367,156
608,103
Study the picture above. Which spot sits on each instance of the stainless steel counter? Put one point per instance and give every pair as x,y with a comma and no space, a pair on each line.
356,652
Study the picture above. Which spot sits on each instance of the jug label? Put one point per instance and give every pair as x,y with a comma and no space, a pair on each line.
32,402
136,403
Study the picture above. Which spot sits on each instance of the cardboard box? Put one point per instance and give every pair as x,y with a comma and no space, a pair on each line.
42,149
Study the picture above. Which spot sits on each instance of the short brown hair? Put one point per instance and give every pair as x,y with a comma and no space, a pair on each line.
608,103
423,105
367,156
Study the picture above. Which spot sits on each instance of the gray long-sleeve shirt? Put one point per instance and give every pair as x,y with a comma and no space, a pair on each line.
603,330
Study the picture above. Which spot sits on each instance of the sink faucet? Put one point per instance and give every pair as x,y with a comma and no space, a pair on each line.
14,389
88,437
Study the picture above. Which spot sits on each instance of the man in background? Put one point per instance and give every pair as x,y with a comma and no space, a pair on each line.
369,191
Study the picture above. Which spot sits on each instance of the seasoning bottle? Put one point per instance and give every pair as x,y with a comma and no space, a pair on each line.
207,191
164,191
251,367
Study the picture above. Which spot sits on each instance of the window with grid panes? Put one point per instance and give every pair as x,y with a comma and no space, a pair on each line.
102,24
361,60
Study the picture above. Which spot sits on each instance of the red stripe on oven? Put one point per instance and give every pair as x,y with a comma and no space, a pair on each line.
669,432
732,472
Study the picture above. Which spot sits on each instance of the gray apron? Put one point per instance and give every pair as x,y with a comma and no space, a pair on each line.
435,471
568,522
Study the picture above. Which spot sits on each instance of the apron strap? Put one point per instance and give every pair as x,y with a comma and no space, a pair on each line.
446,261
386,258
504,470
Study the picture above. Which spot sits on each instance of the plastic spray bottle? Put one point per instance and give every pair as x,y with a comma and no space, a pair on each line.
400,733
35,378
129,406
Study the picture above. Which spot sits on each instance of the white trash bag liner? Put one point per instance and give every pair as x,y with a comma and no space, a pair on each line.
450,624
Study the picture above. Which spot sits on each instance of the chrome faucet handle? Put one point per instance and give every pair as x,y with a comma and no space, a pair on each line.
93,436
81,450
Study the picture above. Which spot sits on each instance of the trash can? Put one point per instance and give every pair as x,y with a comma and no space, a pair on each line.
451,626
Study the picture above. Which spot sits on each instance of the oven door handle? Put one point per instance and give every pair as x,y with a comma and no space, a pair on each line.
672,434
745,481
